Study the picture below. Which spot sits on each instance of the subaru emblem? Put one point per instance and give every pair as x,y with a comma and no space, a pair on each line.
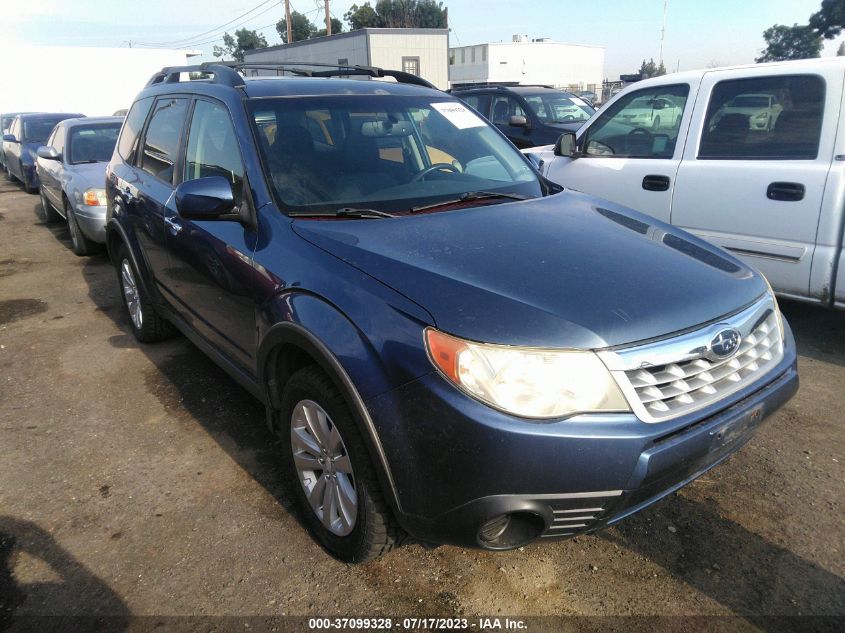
725,343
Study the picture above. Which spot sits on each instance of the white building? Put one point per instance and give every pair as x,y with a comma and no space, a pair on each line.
94,81
573,67
422,52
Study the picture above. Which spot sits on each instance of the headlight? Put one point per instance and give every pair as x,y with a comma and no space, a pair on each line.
94,198
528,382
777,307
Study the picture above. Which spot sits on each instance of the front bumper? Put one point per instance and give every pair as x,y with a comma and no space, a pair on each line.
457,463
92,222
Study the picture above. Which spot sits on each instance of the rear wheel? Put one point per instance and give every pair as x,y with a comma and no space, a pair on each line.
81,244
147,326
50,213
331,477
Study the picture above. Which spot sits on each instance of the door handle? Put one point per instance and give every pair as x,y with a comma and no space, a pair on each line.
173,225
656,183
785,191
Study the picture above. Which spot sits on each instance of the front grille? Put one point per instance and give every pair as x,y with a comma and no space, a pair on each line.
669,378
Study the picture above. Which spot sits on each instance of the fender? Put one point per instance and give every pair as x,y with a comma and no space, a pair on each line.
113,226
293,333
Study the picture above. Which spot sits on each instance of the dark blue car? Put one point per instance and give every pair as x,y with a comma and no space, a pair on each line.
26,134
448,346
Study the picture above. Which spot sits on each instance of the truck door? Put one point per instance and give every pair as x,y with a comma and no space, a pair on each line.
630,153
755,165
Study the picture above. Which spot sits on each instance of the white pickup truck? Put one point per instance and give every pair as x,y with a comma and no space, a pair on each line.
751,158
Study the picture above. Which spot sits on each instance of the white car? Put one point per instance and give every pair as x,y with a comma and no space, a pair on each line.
752,159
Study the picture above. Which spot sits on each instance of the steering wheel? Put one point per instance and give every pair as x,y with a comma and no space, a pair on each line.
435,167
640,131
568,117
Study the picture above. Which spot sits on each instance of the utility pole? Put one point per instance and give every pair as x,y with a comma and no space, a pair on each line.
287,19
328,19
663,29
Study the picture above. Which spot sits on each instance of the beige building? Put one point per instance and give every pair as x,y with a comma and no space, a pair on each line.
422,52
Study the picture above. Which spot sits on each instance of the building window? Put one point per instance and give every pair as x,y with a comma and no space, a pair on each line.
472,55
484,53
411,65
343,61
463,56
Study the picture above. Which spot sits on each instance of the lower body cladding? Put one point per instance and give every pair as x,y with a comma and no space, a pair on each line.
469,475
92,222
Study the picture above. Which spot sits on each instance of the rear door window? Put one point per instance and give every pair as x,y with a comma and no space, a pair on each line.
161,141
764,118
132,128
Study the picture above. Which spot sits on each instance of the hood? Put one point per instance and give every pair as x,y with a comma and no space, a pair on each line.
574,126
89,175
564,271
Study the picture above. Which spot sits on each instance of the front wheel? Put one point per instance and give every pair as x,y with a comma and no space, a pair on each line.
331,477
81,244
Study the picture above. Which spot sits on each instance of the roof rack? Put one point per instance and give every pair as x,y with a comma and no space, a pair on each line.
226,73
500,86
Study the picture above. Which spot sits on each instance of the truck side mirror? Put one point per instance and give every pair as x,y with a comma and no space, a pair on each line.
48,153
565,145
517,120
10,138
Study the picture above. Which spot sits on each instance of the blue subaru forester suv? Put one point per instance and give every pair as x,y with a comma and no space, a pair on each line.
448,346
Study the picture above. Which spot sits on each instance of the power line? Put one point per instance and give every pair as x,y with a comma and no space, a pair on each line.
185,41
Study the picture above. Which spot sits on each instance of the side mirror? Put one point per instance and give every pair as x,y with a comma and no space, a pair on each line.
48,153
10,138
565,145
206,199
517,120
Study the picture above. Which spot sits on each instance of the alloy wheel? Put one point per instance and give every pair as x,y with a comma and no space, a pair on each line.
130,293
323,466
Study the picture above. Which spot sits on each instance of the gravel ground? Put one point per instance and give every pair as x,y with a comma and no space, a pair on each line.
140,480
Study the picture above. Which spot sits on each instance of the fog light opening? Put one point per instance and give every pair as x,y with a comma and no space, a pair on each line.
508,531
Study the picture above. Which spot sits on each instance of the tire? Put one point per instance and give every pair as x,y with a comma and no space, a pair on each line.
81,245
372,531
50,213
146,324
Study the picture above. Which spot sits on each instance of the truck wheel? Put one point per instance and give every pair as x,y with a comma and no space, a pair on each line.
50,213
147,326
331,477
81,244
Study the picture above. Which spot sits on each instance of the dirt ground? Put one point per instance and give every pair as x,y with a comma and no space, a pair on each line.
141,480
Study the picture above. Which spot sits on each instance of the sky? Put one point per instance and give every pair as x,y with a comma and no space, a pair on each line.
699,33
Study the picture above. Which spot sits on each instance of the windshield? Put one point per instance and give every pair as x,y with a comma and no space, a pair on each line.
390,153
92,144
552,108
38,130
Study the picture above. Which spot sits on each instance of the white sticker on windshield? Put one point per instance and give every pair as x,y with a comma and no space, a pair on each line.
578,101
459,115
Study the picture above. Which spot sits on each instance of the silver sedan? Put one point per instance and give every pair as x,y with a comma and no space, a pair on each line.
72,171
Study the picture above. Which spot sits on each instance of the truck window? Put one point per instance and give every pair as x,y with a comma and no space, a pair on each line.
764,118
643,124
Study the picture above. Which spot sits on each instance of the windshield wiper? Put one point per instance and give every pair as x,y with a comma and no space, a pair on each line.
345,212
469,196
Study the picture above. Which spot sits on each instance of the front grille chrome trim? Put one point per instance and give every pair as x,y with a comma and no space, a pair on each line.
672,377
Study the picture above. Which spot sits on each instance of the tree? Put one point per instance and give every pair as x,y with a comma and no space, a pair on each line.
300,27
829,21
337,27
428,14
790,42
244,40
362,17
650,69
